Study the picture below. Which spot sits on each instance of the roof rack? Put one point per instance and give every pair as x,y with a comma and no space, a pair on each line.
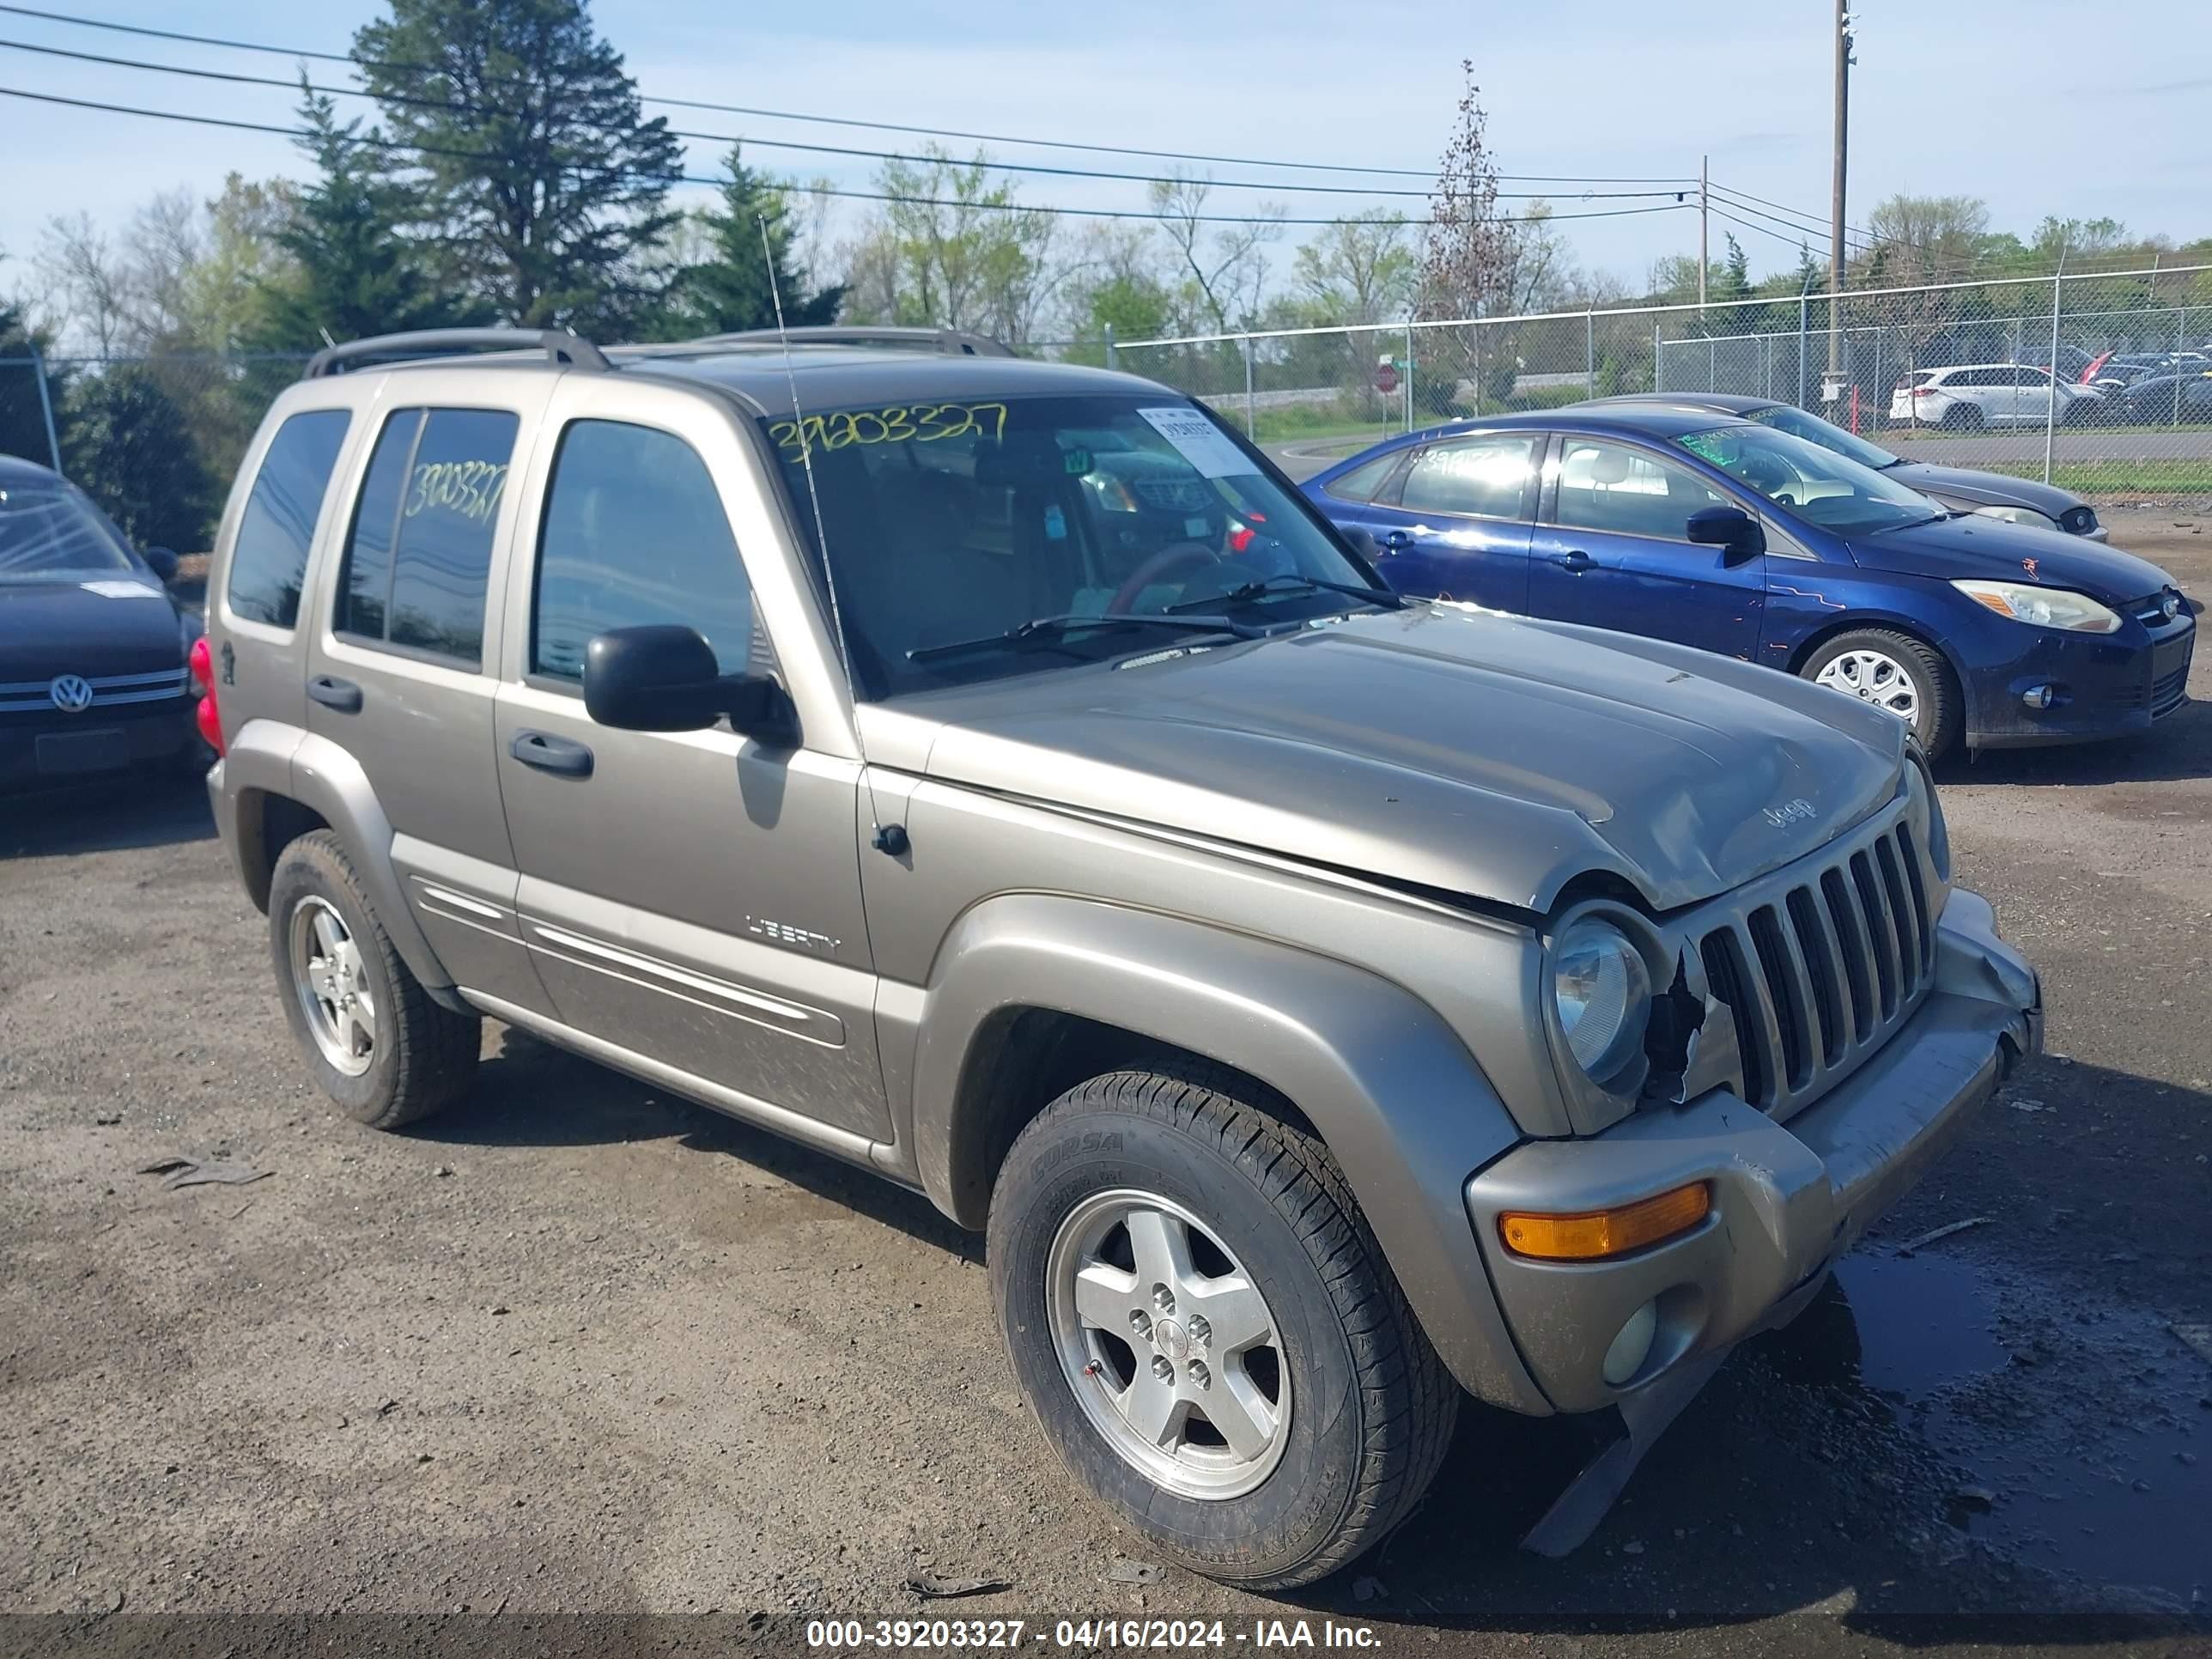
559,345
951,342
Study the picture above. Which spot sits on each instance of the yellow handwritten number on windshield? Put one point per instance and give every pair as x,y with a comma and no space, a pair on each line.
900,423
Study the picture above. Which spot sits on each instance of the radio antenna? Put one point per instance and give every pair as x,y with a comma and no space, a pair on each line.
886,838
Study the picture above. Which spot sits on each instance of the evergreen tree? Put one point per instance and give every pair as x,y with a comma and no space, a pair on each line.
729,290
130,450
22,418
352,272
529,160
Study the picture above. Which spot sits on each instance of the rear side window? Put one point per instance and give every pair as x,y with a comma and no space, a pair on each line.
269,561
1362,482
1485,478
419,553
634,533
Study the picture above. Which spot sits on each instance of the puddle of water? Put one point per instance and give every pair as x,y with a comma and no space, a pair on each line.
1923,1323
2093,1442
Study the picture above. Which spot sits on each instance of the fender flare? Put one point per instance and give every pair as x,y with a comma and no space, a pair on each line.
271,757
1400,1103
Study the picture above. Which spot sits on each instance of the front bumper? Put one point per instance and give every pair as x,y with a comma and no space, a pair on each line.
59,749
1787,1200
2112,686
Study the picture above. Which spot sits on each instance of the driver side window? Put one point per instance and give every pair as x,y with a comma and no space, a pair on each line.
634,533
1629,491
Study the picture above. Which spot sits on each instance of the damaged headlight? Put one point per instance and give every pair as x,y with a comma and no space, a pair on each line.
2043,607
1602,994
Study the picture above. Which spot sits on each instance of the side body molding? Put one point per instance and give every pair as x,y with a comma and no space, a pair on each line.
1397,1096
271,758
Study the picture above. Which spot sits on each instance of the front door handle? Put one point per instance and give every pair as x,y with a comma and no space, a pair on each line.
332,692
1574,560
548,753
1397,542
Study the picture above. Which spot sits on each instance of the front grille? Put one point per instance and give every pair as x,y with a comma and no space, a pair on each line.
2169,691
2150,612
1175,496
1819,966
108,690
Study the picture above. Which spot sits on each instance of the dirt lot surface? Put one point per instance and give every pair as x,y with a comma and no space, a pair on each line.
581,1347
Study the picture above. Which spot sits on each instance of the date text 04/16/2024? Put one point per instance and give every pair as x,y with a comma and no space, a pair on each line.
1092,1634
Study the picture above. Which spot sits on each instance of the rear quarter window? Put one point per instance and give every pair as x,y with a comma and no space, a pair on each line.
269,560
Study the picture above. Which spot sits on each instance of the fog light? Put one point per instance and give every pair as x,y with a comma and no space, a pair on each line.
2039,696
1632,1347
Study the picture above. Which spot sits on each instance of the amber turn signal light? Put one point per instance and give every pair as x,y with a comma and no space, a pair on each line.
1596,1234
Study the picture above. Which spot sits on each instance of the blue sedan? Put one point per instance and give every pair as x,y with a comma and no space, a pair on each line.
1744,540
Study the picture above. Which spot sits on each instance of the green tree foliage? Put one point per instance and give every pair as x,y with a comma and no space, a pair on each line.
954,250
534,170
130,449
22,420
352,271
730,289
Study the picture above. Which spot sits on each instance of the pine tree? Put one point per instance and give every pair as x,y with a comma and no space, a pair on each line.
529,160
353,272
130,449
730,290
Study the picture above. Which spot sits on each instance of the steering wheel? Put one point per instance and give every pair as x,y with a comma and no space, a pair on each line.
1152,569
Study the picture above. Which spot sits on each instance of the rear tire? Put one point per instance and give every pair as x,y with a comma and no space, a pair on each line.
1353,1410
1964,417
377,1044
1885,667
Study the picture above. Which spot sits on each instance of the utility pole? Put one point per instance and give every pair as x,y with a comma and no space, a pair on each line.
1836,200
1704,258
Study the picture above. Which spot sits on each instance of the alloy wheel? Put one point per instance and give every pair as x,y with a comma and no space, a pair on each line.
332,981
1170,1348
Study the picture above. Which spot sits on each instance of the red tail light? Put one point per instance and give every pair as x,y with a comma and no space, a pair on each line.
206,716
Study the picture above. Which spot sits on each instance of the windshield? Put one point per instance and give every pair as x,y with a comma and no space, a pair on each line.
49,533
1814,430
952,523
1814,485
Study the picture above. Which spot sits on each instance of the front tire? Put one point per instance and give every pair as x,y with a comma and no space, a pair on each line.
1201,1316
378,1046
1905,676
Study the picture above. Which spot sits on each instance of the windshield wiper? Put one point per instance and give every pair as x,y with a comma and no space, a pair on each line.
1046,630
1287,582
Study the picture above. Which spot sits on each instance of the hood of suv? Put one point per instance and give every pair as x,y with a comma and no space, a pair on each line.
1463,751
1959,549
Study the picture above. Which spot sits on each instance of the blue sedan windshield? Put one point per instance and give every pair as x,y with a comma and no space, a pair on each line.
1813,484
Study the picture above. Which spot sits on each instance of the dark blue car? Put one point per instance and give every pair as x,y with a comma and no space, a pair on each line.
1743,539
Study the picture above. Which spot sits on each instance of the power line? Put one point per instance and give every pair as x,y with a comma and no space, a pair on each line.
1854,230
693,178
1803,231
845,121
237,78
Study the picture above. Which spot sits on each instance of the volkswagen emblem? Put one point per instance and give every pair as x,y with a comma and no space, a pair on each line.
72,693
2170,606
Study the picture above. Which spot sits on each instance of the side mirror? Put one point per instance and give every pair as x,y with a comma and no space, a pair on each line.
162,561
664,678
1731,529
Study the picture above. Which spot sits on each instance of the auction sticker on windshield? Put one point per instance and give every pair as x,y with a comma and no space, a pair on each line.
1198,442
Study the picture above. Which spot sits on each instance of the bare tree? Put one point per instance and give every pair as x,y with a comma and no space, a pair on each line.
1469,256
1228,268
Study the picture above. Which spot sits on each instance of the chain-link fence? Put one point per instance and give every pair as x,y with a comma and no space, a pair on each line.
1960,373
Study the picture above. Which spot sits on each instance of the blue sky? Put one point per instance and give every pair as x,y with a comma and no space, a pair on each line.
2037,106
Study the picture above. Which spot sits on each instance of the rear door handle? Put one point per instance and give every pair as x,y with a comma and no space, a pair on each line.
548,753
334,693
1576,560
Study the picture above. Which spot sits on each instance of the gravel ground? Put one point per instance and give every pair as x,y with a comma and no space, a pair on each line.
580,1347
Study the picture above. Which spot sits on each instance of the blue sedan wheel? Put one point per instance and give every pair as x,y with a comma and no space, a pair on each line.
1896,673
